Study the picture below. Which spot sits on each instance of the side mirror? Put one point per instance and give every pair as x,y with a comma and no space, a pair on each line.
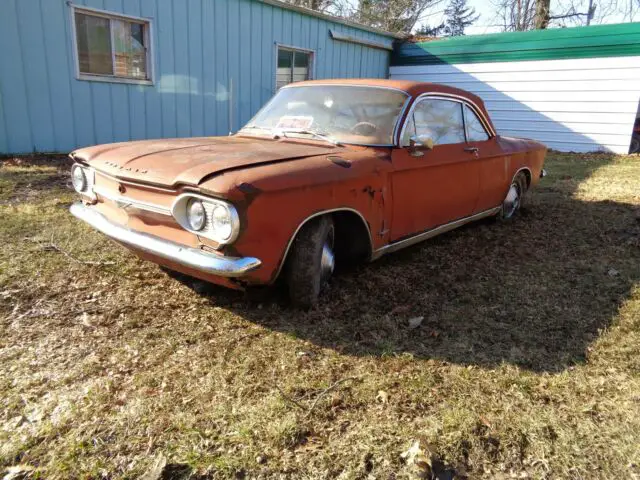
421,142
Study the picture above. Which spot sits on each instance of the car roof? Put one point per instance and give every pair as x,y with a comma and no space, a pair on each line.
411,87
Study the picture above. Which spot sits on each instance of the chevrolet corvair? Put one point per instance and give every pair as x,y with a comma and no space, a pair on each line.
327,171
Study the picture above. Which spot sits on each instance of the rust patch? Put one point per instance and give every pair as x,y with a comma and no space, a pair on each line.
369,190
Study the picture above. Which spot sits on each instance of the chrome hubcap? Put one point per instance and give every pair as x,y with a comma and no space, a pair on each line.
327,262
512,202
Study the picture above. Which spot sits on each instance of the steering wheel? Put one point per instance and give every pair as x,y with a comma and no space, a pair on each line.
369,126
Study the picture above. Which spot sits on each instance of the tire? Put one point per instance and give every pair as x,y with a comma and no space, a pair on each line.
515,198
311,262
635,144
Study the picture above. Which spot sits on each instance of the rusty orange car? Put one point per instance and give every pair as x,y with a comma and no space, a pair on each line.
326,172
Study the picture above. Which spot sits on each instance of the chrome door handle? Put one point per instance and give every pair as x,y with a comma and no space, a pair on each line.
472,149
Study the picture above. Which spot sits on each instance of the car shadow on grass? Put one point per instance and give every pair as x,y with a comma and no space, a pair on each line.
534,292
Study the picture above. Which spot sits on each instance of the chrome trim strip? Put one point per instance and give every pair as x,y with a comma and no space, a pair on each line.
206,262
124,202
134,184
392,247
344,209
449,96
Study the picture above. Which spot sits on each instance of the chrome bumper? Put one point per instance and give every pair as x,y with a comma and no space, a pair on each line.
187,256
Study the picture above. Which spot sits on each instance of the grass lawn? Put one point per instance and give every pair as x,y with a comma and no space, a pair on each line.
526,363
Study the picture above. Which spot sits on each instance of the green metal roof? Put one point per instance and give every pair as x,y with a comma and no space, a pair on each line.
557,43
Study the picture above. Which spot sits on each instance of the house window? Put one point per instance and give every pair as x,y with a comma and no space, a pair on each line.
111,47
293,66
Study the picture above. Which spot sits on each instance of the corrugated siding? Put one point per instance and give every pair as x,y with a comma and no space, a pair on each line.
576,105
206,53
551,44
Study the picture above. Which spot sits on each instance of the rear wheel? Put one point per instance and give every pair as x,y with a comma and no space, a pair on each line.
515,197
311,261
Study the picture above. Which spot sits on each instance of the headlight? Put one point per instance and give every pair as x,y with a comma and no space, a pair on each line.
196,214
79,179
207,217
221,222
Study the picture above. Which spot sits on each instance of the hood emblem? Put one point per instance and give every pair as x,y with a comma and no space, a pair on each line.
122,167
121,188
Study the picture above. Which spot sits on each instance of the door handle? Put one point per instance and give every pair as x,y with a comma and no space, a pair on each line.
472,149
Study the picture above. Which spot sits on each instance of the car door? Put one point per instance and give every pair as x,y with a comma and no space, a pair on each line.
432,187
493,164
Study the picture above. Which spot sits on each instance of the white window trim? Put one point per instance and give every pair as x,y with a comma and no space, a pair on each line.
312,61
112,15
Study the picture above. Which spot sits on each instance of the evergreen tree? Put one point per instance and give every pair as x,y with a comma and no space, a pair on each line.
428,31
458,17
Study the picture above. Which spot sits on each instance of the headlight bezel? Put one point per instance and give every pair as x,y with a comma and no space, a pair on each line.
89,180
79,189
180,214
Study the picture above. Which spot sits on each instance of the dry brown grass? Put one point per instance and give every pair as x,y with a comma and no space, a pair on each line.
526,364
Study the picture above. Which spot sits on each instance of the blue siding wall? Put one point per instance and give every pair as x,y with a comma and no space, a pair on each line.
202,49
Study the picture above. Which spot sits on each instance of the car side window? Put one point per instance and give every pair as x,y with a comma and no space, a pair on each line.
439,119
475,130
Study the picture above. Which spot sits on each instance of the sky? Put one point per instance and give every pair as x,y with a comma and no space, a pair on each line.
489,21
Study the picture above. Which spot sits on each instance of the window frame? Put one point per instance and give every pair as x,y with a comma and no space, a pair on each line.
466,106
148,38
451,97
290,48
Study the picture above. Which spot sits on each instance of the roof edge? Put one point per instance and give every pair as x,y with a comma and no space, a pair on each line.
332,18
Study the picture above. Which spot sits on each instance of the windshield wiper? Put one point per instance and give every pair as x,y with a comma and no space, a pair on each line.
319,135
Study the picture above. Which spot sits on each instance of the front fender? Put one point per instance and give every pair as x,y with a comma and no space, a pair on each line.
274,201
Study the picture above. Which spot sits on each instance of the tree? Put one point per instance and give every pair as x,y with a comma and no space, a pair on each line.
518,15
427,31
392,15
458,17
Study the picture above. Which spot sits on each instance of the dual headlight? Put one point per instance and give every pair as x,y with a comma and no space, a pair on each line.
207,217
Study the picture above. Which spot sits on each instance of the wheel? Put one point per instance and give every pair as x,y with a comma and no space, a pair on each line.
635,144
311,261
515,197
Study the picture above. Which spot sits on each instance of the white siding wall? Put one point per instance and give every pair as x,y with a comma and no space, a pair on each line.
575,105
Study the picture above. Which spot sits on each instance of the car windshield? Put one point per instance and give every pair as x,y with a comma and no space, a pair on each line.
334,113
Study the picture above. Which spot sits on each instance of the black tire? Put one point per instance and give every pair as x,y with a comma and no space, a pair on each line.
635,144
306,277
510,209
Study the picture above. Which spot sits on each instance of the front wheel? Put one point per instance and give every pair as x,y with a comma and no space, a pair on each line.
515,197
311,261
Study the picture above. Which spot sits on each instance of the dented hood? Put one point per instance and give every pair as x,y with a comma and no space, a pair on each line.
190,160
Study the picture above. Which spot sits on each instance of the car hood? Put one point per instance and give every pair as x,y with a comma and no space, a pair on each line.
190,160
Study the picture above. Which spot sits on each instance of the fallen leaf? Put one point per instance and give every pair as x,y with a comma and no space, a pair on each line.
613,272
16,472
155,472
382,396
415,322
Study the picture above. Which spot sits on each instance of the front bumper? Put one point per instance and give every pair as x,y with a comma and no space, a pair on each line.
206,262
